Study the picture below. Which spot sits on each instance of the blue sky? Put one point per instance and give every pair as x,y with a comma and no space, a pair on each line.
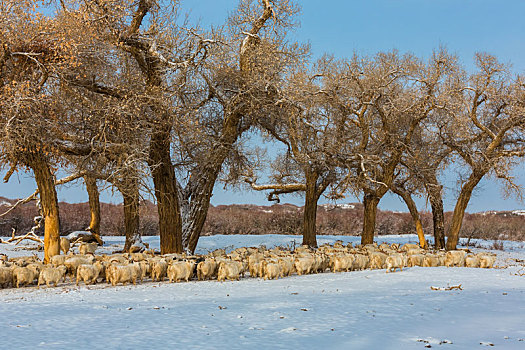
366,27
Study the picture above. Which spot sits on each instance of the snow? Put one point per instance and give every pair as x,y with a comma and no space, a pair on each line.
354,310
75,234
338,206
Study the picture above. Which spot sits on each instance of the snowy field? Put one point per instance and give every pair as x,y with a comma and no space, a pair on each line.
353,310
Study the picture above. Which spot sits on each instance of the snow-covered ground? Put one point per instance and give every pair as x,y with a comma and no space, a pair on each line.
354,310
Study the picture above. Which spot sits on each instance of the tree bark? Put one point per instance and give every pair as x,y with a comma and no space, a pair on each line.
310,211
196,197
94,207
131,214
195,206
370,202
438,216
461,206
416,218
49,201
165,182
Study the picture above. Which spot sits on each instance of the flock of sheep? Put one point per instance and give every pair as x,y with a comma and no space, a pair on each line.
257,262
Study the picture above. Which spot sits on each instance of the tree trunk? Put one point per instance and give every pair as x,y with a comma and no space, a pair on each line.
165,182
49,201
461,206
195,208
196,198
411,205
131,215
94,207
310,211
370,202
438,216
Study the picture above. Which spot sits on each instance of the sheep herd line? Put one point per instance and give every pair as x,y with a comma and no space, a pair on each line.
259,262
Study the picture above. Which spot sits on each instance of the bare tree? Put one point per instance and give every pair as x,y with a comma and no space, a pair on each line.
30,114
310,132
385,99
243,80
486,130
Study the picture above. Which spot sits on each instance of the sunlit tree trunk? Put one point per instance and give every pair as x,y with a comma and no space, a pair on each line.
459,209
414,213
49,201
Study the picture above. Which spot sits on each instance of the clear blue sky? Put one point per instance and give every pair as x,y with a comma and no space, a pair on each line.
342,27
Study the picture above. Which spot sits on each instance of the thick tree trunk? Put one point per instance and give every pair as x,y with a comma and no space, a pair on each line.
310,211
131,215
94,207
459,209
438,216
165,182
195,208
416,218
198,192
370,203
49,201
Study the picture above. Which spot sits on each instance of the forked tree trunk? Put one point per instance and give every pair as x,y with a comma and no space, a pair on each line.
370,203
94,207
49,201
131,215
170,221
438,216
310,211
416,218
196,199
459,209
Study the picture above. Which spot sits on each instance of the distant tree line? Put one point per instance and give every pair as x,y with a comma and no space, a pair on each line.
251,219
129,93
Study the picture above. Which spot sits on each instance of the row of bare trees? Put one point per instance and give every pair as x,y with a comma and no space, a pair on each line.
130,93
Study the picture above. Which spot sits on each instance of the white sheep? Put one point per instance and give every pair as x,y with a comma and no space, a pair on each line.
65,245
73,262
52,275
286,266
24,275
377,260
6,276
431,260
122,274
360,262
57,260
87,248
230,270
271,270
341,263
303,265
415,260
471,261
486,261
395,261
206,269
180,270
89,273
159,270
455,258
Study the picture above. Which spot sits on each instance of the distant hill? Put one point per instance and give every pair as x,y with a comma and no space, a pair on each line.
343,219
